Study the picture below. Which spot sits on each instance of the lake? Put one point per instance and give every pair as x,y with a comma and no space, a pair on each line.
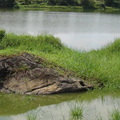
78,30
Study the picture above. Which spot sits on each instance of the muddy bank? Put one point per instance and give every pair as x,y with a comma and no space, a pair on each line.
27,74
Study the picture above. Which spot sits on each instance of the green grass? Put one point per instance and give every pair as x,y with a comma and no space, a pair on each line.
101,66
51,8
2,33
115,115
48,6
67,8
76,113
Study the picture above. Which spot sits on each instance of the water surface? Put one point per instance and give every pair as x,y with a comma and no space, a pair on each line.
79,30
95,105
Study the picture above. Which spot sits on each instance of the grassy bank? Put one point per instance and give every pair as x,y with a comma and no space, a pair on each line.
70,5
51,8
64,5
67,8
101,66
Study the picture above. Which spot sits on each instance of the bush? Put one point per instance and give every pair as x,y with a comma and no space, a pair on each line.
113,3
88,4
17,5
62,2
109,2
2,34
27,2
7,3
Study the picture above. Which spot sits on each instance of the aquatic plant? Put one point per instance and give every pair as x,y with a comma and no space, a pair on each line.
115,115
31,116
76,113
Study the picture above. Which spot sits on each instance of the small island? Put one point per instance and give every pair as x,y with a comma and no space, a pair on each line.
43,65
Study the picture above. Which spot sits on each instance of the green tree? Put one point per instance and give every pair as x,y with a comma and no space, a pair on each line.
62,2
27,2
88,4
7,3
109,2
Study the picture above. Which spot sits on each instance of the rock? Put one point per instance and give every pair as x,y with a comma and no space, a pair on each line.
24,74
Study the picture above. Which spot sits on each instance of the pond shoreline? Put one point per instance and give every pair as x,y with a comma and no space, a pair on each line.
68,8
64,8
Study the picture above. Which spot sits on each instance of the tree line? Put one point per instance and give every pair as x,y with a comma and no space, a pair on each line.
85,3
7,3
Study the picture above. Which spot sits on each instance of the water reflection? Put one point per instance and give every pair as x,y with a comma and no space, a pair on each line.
94,105
91,110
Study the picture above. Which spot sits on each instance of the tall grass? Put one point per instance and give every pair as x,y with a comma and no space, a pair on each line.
43,43
101,66
2,34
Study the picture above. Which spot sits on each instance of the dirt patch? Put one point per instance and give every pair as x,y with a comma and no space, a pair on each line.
26,74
